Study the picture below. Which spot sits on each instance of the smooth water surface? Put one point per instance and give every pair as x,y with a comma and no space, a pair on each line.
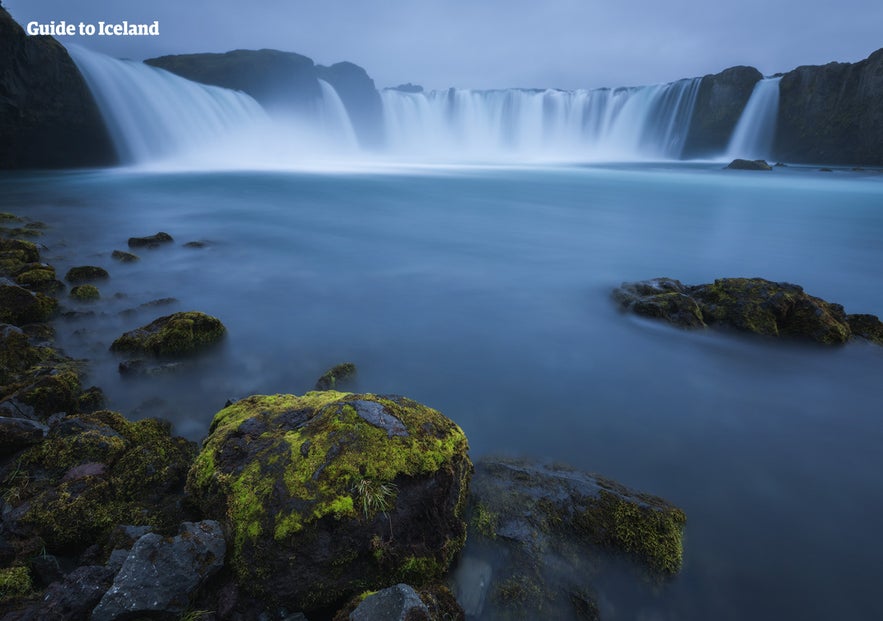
486,293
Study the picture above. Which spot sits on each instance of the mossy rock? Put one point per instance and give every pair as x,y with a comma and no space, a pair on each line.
362,490
16,253
86,273
16,353
176,334
338,373
740,164
39,278
124,257
15,583
19,306
85,293
95,471
867,327
754,305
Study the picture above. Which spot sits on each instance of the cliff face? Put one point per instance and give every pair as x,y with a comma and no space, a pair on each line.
285,82
719,104
361,99
832,114
48,118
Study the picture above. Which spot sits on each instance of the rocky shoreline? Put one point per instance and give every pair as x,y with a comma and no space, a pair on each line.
319,506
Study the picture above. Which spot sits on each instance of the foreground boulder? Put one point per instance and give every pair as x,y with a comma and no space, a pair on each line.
362,490
176,334
92,472
749,305
160,575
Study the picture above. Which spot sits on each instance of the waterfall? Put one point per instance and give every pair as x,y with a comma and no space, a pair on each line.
155,116
648,122
754,133
151,113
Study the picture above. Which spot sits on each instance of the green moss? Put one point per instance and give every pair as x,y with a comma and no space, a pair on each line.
652,533
519,590
335,374
85,293
99,470
39,278
420,569
180,333
485,521
15,582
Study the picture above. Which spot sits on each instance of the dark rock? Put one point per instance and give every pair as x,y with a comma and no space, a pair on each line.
19,306
85,293
16,353
338,373
746,304
75,596
196,244
86,273
395,603
17,434
867,327
719,104
407,88
310,478
160,575
739,164
48,118
124,257
151,241
47,569
831,114
825,170
176,334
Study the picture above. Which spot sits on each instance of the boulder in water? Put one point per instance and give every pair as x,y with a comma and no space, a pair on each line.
740,164
176,334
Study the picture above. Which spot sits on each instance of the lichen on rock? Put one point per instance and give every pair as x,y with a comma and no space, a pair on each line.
362,490
176,334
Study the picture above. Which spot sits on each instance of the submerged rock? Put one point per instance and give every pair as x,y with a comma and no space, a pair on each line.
746,304
540,535
739,164
124,257
338,373
176,334
160,575
151,241
363,490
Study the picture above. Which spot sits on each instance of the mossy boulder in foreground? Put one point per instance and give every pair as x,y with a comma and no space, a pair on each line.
179,333
329,494
19,306
750,305
92,472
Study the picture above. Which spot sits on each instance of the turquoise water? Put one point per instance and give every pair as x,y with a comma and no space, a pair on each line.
484,292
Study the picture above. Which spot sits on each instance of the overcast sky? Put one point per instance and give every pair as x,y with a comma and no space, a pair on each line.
497,43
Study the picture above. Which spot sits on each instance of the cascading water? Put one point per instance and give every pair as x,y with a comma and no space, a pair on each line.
627,123
754,133
152,114
157,117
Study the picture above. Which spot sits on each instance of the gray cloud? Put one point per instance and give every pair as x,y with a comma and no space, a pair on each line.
498,43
